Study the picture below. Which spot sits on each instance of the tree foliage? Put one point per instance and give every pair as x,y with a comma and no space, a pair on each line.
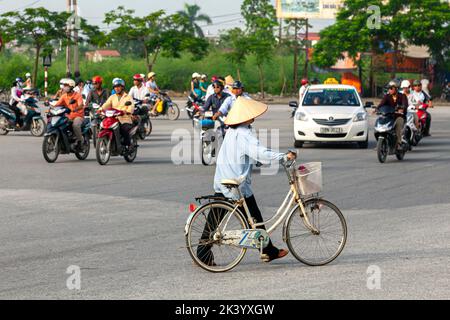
191,13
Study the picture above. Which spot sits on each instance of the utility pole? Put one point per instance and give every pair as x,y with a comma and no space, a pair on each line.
305,73
296,25
75,38
68,47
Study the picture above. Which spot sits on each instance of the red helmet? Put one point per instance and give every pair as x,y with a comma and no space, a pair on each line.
304,81
214,78
138,77
97,79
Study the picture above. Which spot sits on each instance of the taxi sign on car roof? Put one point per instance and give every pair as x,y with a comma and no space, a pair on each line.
331,81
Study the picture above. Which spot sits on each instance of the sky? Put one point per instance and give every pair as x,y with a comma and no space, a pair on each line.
225,14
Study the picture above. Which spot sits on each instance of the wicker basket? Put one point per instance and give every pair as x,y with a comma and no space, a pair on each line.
309,178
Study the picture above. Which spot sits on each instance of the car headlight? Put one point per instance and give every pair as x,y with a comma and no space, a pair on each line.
361,116
301,116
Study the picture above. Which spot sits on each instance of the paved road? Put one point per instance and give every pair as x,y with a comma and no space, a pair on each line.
123,224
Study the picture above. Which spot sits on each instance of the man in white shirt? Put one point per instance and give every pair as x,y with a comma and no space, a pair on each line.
139,91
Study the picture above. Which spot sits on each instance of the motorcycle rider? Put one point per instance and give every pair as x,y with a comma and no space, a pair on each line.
73,101
196,92
305,85
154,91
216,100
419,96
98,94
210,90
124,102
16,94
406,90
139,91
398,101
237,90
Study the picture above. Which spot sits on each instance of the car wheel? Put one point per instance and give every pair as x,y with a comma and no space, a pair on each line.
298,144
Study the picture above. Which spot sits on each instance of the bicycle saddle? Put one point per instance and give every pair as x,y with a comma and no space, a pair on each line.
233,182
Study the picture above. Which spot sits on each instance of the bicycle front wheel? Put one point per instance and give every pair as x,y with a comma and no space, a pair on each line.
205,237
321,248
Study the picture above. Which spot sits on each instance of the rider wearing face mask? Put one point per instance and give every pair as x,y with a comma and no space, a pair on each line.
16,93
74,101
97,95
121,101
398,101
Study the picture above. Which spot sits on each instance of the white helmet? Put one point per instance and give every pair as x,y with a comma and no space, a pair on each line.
69,82
28,75
405,84
196,75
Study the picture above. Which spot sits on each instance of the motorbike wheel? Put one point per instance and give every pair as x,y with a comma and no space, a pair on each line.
87,147
131,156
382,150
38,128
3,125
173,112
50,148
189,113
141,132
103,151
148,127
94,135
207,157
400,155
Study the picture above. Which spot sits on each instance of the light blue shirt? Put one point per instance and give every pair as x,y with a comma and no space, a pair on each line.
238,153
228,103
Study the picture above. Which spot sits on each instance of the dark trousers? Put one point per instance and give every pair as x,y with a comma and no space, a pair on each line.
125,133
213,220
428,123
18,113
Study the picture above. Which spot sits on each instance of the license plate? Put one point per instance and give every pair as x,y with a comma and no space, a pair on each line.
208,114
331,130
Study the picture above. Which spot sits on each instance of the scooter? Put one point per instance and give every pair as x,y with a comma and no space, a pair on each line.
141,114
166,107
423,117
60,138
94,118
192,107
211,136
386,136
110,142
32,121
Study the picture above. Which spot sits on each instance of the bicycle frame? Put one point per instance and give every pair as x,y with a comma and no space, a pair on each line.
293,196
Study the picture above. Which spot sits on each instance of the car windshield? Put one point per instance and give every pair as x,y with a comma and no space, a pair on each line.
331,97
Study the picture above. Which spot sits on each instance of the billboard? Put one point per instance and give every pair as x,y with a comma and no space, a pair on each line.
314,9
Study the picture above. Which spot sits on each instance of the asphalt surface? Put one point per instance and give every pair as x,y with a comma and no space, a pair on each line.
122,224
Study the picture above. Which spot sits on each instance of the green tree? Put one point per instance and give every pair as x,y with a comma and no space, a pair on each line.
235,40
36,27
155,33
191,12
260,23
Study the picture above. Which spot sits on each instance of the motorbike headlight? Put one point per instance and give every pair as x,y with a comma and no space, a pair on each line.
361,116
301,116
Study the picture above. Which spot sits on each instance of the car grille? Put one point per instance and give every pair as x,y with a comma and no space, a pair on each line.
334,122
330,135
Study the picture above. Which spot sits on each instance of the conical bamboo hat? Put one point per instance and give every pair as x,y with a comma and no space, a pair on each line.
243,110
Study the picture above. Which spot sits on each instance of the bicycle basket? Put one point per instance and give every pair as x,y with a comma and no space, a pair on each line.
309,178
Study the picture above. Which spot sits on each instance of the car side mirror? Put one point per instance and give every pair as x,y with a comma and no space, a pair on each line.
293,104
128,103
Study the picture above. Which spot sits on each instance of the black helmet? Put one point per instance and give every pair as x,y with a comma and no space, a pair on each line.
218,83
237,85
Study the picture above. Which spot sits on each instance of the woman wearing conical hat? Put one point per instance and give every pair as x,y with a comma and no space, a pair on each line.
238,153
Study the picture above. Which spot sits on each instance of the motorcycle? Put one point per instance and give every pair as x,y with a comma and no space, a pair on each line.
211,136
60,139
193,106
110,142
32,121
386,136
94,119
165,107
423,117
141,114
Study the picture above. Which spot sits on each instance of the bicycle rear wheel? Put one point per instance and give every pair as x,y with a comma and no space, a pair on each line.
205,242
316,249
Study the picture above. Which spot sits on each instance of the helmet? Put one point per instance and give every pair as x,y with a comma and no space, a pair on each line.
392,83
118,82
138,77
28,75
417,83
97,79
405,84
218,83
195,75
237,85
304,81
115,79
19,79
68,82
204,76
151,74
214,78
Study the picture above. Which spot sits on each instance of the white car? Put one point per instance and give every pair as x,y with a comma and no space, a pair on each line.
331,113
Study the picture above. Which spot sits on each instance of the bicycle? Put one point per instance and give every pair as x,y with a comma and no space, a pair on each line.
218,233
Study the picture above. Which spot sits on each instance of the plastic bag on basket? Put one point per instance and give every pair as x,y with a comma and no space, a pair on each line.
309,178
